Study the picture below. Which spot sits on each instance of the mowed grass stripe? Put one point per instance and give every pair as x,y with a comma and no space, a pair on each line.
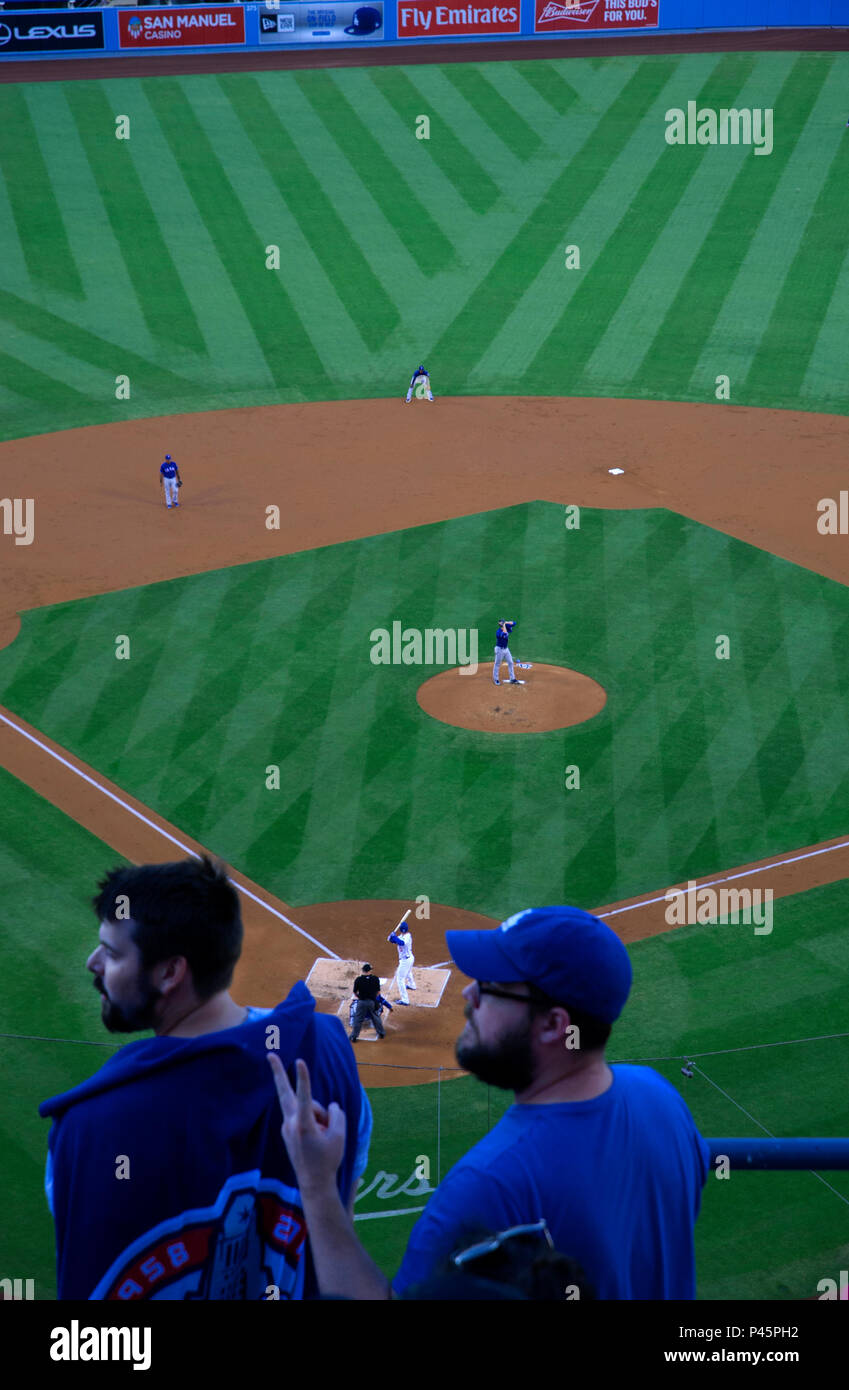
770,253
279,330
781,362
167,312
489,305
509,354
388,185
35,385
689,321
481,91
454,159
349,272
97,351
606,282
38,217
549,84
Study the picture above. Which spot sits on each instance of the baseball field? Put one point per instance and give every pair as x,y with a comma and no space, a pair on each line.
246,280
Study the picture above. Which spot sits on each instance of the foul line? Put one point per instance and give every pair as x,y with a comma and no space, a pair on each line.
166,835
615,912
729,878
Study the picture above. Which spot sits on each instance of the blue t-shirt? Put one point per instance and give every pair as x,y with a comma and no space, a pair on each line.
503,638
618,1180
168,469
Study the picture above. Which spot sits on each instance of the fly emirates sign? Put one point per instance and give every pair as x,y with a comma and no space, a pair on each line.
428,19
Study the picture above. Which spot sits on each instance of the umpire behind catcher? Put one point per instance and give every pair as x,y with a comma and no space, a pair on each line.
367,989
167,1175
608,1156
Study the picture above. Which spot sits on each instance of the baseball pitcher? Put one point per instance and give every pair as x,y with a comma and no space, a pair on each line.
503,653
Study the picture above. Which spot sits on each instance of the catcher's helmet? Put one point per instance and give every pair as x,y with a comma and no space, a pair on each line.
366,20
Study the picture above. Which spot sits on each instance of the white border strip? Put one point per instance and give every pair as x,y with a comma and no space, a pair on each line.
166,835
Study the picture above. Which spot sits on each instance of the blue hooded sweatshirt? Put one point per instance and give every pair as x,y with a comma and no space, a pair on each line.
168,1177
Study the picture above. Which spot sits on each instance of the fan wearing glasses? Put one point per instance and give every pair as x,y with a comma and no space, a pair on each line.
607,1155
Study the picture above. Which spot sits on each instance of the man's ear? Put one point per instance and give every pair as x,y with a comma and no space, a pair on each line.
169,974
556,1026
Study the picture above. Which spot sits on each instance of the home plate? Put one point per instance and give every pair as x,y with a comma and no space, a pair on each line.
334,979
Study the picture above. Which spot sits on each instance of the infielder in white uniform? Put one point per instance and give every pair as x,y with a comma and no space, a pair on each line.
402,937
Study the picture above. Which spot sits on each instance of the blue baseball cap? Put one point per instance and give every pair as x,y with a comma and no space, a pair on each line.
566,952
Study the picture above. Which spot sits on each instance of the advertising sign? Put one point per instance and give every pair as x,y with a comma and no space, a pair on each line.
201,26
561,16
430,19
44,33
346,23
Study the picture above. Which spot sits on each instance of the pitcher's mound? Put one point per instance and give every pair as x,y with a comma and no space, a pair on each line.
553,697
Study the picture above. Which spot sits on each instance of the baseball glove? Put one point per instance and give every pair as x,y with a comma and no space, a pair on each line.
180,484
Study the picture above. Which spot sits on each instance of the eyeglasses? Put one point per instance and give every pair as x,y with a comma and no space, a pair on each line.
535,997
488,1247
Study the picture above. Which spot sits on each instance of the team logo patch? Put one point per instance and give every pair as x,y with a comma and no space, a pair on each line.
515,919
251,1238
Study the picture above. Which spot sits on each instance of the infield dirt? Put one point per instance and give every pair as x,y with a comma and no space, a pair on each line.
344,470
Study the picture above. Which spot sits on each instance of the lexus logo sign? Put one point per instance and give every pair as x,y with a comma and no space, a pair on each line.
28,34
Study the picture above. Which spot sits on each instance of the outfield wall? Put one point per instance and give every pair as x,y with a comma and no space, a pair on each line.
277,25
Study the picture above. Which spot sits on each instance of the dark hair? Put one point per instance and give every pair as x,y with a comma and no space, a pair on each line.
593,1032
366,967
189,909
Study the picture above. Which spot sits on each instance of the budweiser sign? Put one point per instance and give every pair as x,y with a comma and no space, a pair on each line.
558,16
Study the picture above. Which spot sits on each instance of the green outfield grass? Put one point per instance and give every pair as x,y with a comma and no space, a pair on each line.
147,256
694,764
714,993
